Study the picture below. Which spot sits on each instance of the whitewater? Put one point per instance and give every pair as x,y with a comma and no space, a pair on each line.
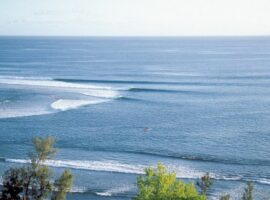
87,94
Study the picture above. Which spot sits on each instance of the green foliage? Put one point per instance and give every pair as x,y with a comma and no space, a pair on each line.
225,197
63,185
44,148
205,183
248,192
158,184
33,181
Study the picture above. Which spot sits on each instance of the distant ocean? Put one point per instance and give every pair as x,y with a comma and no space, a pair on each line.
118,105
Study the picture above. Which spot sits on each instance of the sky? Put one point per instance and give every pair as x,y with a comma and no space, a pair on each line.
135,17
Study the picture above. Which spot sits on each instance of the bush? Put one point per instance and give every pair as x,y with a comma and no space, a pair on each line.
158,184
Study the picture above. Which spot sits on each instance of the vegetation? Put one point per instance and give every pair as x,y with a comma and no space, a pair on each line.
158,184
205,183
248,193
34,180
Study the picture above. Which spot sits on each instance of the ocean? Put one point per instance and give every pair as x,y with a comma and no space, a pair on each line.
119,104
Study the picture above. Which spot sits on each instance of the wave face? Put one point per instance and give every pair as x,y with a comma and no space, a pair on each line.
68,96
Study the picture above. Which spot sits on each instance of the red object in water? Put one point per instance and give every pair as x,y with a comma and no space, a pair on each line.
146,129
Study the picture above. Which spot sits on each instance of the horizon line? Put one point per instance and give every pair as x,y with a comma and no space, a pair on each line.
134,36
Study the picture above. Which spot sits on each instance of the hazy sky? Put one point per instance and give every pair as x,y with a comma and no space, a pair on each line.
135,17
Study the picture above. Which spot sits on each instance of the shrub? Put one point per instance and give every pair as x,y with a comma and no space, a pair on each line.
158,184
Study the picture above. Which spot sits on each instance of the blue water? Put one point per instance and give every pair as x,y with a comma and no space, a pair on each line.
117,105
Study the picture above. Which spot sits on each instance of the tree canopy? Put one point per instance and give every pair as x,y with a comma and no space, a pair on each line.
33,181
159,184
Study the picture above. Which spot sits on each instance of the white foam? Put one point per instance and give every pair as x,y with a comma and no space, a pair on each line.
78,189
107,166
87,95
233,178
101,93
185,172
115,191
47,83
67,104
10,112
114,166
86,89
264,181
4,115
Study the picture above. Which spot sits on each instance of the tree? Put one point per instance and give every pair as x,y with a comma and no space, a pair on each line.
248,192
63,185
33,181
13,184
205,183
158,184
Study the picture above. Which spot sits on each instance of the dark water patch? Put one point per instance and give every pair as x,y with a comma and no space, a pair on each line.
164,154
199,158
169,91
131,99
202,158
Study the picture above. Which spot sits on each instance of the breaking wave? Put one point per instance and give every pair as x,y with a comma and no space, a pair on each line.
106,166
115,191
117,167
50,96
67,104
87,89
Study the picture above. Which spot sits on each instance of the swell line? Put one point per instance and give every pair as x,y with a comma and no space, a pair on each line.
168,91
137,169
180,83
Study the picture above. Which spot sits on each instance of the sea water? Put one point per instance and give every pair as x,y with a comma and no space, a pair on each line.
119,104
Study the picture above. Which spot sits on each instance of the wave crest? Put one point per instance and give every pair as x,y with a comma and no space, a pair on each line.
67,104
115,191
60,96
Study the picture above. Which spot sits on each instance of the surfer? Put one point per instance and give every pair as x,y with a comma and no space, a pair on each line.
146,129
